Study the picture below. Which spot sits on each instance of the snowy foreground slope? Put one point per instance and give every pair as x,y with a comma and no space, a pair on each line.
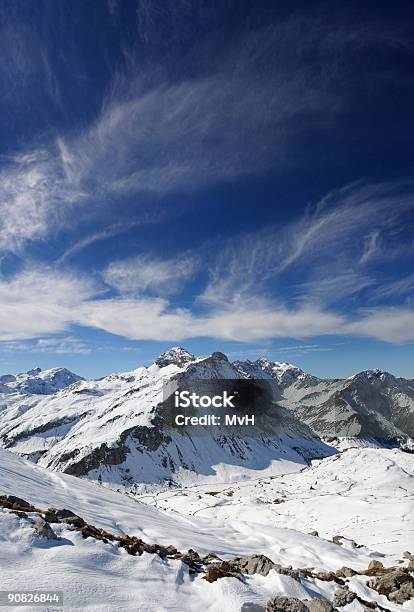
117,430
98,575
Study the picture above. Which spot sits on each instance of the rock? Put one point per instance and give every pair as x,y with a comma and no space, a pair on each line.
20,513
325,576
219,570
260,564
338,539
16,503
50,516
373,582
192,559
255,564
343,597
74,520
63,516
45,530
318,605
286,604
404,593
65,513
88,531
375,565
137,548
210,557
346,572
408,555
376,568
398,582
314,533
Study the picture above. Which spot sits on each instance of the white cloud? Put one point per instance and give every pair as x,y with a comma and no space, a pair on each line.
161,133
34,198
41,301
140,274
371,246
44,302
331,285
394,288
154,319
66,345
325,246
394,325
258,322
236,304
109,232
343,218
158,134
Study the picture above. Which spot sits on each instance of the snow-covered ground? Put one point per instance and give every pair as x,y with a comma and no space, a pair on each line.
364,494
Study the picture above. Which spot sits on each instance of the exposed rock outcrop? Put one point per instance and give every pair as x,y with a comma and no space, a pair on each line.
286,604
44,529
397,585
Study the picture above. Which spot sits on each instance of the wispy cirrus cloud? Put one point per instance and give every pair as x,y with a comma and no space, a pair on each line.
67,345
392,289
141,274
326,248
241,300
34,198
371,246
162,131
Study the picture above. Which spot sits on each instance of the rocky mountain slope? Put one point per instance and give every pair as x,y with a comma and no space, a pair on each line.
119,429
370,404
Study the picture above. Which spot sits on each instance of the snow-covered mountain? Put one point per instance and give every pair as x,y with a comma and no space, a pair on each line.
38,382
370,404
118,429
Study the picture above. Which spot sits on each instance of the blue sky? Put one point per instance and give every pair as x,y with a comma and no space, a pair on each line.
229,176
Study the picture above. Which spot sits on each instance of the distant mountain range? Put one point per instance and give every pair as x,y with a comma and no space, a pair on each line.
117,429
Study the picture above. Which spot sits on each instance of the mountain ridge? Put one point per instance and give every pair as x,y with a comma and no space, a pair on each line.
117,429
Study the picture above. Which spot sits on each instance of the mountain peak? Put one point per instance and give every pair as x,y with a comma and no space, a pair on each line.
41,382
218,356
280,370
175,356
372,375
34,371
